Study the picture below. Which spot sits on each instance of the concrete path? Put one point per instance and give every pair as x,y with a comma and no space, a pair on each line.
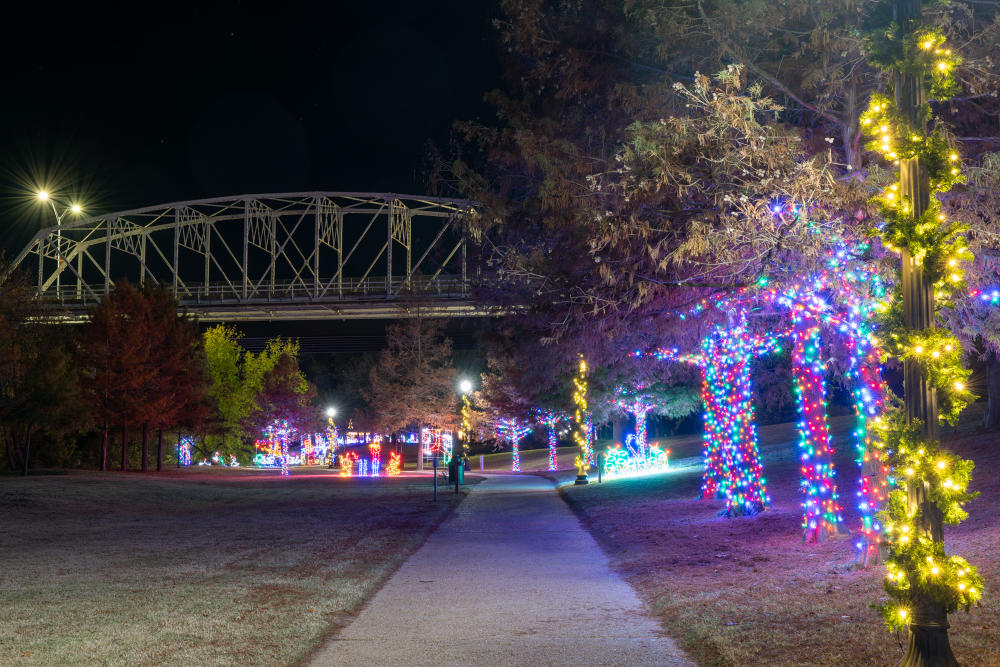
511,578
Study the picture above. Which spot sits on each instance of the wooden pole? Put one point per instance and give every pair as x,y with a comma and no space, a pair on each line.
928,637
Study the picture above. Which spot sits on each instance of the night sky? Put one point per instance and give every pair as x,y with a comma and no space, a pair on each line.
124,105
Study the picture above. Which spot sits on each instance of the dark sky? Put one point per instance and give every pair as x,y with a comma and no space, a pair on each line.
132,104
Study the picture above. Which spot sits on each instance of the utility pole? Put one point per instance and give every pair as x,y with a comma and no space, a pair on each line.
928,637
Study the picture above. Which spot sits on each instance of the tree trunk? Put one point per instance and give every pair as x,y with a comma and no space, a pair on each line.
124,447
104,447
10,452
617,430
159,451
27,450
178,449
850,130
145,447
992,418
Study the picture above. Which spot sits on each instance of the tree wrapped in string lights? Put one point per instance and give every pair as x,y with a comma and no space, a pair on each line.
821,505
551,419
924,583
513,430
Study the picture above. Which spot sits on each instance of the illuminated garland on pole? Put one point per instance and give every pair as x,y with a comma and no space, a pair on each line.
923,582
582,425
466,426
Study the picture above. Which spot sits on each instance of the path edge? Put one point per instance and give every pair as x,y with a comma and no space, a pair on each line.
331,633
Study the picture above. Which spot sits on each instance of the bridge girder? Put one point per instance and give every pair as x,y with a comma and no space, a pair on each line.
306,255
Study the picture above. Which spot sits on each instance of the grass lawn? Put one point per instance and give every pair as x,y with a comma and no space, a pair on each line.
205,566
532,460
748,592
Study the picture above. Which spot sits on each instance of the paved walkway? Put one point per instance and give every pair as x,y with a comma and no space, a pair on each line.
511,578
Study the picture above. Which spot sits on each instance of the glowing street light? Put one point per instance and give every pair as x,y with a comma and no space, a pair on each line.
74,208
331,412
465,386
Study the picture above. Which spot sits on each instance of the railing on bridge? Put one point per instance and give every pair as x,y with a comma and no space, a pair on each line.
317,254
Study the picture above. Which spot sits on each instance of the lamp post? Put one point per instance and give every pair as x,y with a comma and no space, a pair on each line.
465,386
331,412
75,209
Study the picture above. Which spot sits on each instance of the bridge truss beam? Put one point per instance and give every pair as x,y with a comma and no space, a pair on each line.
311,255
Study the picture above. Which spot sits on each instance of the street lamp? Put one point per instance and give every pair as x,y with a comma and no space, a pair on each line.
465,386
74,208
332,435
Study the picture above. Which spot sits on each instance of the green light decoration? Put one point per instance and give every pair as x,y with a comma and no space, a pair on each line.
582,424
918,568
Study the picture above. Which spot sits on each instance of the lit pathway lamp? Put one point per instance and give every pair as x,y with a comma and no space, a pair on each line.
459,459
331,412
75,209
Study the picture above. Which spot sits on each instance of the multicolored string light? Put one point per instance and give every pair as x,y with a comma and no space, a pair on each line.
551,419
513,430
820,505
184,451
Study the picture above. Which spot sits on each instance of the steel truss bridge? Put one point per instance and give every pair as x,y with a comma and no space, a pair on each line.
297,256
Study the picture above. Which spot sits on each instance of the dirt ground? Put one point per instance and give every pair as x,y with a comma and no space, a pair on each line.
747,591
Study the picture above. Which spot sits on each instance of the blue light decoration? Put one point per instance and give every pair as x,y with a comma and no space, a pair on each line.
636,405
184,451
278,433
513,430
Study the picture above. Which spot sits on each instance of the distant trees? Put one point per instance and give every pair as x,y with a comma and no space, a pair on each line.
140,366
413,381
38,389
252,390
284,395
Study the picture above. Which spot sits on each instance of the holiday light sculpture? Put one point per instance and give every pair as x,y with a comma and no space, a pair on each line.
347,460
280,432
627,461
184,451
513,430
308,451
395,464
583,428
375,449
634,403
